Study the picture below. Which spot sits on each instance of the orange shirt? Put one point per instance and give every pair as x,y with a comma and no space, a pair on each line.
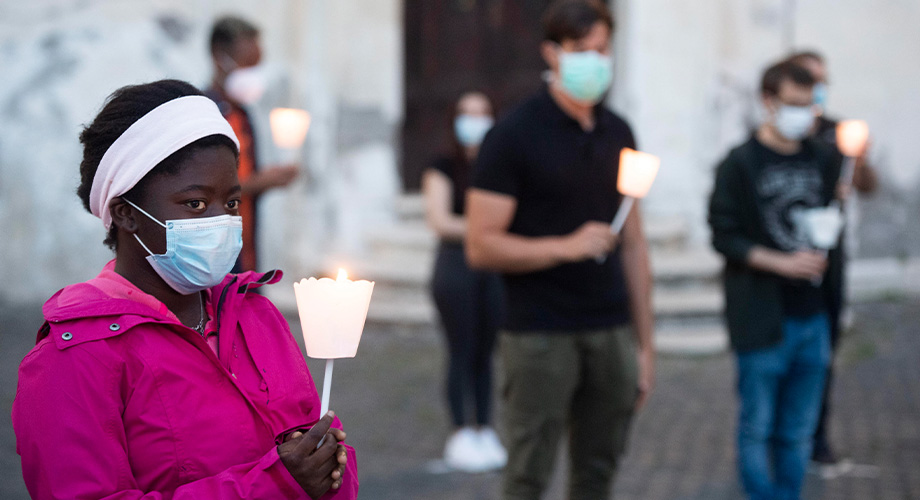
239,122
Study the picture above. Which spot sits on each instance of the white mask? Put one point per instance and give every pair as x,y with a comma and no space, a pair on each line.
794,122
246,85
471,129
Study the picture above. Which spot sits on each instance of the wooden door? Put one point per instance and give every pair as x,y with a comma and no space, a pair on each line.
452,46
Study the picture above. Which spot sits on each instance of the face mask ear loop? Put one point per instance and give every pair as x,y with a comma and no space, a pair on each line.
141,210
142,244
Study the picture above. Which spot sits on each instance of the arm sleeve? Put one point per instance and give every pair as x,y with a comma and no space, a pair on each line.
443,165
725,217
69,433
498,166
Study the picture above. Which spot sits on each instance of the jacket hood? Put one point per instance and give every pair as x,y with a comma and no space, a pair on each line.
86,303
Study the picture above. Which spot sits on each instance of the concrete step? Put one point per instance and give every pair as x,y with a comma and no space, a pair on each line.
412,266
669,304
676,332
665,233
688,302
685,267
410,207
393,309
402,270
697,336
691,339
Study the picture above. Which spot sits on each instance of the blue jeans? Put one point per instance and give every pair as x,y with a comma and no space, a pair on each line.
780,391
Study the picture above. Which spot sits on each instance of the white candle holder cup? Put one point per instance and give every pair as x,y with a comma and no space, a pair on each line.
823,227
332,316
289,130
636,174
852,136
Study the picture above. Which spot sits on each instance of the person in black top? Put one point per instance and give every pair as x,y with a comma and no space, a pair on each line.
469,302
776,285
577,342
865,181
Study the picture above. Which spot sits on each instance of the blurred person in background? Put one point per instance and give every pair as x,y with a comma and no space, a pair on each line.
576,346
239,81
469,302
865,181
776,286
164,376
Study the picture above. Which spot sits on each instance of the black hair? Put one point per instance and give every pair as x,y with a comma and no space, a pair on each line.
227,30
573,19
124,107
805,55
781,71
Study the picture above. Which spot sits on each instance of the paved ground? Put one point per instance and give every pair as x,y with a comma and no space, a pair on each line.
390,399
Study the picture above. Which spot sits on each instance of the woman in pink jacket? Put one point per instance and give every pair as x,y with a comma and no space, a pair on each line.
165,376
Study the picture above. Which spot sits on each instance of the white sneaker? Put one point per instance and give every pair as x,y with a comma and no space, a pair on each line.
492,448
464,452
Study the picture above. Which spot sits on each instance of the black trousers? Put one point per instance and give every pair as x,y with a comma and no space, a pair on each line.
470,304
836,300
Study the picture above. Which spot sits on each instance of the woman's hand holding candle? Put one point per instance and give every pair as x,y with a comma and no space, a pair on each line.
316,468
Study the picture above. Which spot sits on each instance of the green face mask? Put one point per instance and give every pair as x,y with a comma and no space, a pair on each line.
586,75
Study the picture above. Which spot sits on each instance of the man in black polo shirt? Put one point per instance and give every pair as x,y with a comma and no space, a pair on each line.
577,342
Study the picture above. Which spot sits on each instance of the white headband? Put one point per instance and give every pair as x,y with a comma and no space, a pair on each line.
168,128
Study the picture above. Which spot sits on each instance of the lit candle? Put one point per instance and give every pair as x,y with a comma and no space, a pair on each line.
636,175
852,136
332,316
289,129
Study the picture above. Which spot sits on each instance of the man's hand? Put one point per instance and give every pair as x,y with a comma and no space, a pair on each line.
592,240
802,265
316,469
646,382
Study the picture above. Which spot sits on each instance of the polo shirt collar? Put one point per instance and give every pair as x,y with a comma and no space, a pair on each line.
556,113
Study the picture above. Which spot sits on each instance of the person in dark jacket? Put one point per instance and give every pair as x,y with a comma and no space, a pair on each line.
776,285
865,181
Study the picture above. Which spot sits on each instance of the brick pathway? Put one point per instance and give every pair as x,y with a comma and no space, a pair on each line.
390,399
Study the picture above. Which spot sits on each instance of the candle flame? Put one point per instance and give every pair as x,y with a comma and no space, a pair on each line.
636,173
852,136
342,275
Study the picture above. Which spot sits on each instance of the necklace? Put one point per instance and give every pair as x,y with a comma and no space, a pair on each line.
200,327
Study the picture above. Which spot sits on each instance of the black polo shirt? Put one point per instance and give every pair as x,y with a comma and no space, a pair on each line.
562,176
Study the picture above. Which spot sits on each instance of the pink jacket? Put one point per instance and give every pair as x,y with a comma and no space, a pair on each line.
118,400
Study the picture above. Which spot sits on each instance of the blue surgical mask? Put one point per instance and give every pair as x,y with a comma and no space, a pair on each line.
199,252
586,75
472,129
794,122
820,95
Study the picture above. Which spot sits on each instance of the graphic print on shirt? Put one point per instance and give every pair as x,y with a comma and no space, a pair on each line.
785,189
